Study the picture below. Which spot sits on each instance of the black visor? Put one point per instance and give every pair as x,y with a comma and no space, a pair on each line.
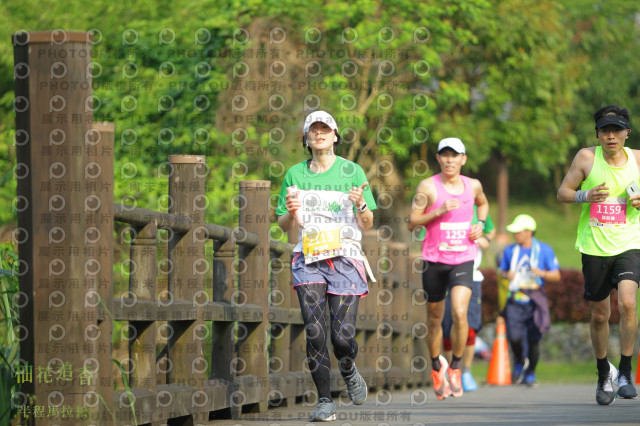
616,120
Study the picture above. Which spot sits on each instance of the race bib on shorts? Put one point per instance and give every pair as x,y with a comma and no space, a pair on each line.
610,214
454,236
319,245
523,280
520,297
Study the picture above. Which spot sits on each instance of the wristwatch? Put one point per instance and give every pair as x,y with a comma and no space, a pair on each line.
363,207
483,222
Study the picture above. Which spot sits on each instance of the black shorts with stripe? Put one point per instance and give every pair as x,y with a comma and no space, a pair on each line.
437,278
603,273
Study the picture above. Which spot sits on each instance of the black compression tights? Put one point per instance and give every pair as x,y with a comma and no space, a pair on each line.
343,311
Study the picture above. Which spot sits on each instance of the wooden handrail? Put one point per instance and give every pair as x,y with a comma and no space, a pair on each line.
178,223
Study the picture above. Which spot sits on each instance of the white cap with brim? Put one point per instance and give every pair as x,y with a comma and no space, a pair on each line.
321,116
453,143
522,222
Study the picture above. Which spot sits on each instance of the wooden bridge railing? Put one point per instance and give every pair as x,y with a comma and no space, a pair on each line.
247,323
257,344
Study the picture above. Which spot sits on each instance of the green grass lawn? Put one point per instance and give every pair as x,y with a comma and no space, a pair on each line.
553,372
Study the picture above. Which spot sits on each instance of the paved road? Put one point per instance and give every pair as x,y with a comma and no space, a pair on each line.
544,404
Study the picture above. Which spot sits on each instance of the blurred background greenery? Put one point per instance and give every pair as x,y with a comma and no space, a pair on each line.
517,80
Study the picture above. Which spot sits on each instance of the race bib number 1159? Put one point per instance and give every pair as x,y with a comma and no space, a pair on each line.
612,213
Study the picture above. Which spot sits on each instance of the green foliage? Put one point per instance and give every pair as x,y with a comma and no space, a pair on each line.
157,76
161,88
519,88
9,322
606,36
129,393
550,371
514,79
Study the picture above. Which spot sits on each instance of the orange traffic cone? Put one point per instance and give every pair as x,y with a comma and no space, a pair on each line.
638,368
499,368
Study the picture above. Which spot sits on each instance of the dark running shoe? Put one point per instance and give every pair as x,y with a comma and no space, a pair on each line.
356,387
517,377
626,389
605,394
530,379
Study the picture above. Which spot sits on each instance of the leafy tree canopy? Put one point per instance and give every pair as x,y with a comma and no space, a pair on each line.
233,80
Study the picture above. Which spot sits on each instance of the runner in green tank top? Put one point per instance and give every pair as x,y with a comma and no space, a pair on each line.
327,199
609,240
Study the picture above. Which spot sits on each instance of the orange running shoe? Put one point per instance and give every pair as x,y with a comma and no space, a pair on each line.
455,378
440,381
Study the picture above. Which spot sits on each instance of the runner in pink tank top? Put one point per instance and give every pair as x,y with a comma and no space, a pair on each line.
447,238
444,206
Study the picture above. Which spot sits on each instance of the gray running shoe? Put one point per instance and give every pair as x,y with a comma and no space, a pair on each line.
326,411
356,387
626,389
605,394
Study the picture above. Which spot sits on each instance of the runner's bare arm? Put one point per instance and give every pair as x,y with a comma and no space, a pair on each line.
365,218
507,275
635,200
547,275
483,243
425,196
482,204
578,172
286,220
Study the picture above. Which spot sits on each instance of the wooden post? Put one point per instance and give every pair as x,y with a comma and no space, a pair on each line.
298,339
399,318
142,284
99,244
384,301
223,339
280,359
253,286
373,249
188,266
52,86
418,319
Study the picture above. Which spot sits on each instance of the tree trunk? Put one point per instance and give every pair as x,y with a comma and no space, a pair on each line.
502,195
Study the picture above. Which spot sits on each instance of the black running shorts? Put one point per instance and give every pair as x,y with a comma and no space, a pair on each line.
602,274
437,278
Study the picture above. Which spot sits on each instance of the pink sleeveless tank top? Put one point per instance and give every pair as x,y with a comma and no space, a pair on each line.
447,237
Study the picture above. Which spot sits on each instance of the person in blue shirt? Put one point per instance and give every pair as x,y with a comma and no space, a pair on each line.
528,265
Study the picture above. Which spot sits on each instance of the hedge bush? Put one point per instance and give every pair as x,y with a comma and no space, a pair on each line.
566,303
